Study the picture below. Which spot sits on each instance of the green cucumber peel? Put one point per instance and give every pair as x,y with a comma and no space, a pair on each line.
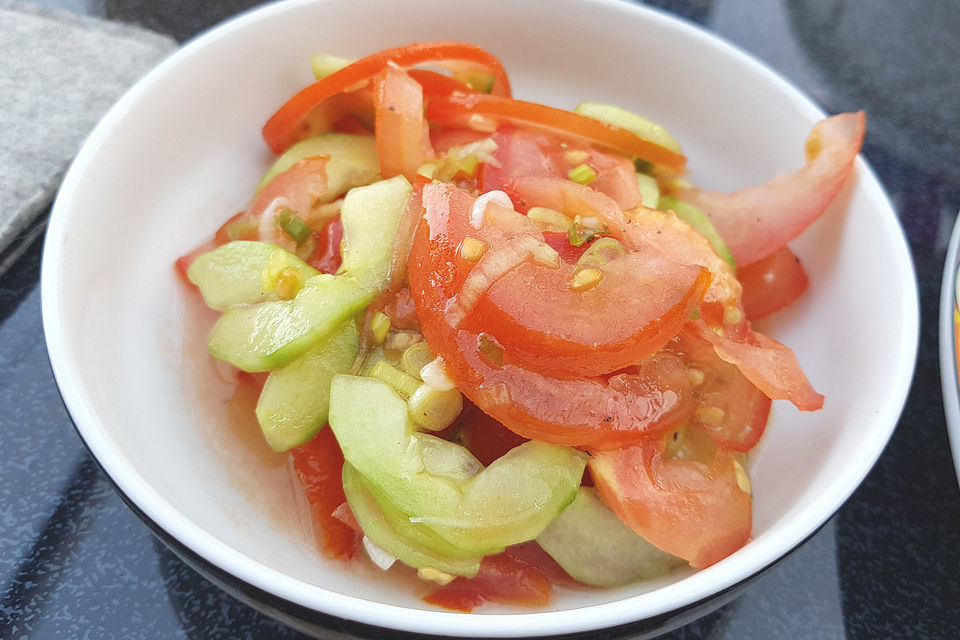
295,400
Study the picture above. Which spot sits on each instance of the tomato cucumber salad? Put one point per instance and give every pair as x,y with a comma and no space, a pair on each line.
508,347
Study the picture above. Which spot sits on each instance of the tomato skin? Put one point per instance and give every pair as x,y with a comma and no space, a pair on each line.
692,510
596,331
286,126
772,283
319,466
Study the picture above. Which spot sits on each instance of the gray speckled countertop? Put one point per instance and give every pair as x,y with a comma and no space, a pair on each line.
75,562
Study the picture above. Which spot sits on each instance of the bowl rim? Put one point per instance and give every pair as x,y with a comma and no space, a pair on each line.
534,623
949,356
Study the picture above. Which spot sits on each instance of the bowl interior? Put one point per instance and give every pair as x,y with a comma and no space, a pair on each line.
182,152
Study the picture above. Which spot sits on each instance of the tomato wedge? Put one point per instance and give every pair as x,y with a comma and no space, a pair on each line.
757,221
533,312
506,578
402,137
772,283
699,512
771,366
463,110
319,466
524,153
285,126
644,229
586,411
729,408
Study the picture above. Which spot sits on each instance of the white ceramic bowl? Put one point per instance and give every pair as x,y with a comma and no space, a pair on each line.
182,151
949,344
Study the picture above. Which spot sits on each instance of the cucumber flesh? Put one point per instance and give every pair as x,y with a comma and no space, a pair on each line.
269,335
353,161
378,529
232,274
295,399
594,546
439,483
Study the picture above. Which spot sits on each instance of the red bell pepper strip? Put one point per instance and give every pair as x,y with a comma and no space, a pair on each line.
284,127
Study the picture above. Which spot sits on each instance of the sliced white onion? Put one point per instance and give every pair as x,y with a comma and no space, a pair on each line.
435,376
377,555
480,206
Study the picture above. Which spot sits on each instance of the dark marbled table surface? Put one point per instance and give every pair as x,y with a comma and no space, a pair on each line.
75,562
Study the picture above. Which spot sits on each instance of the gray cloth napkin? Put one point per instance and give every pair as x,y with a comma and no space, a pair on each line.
59,73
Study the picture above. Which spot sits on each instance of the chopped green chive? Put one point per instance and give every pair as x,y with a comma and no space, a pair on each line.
293,225
579,234
582,174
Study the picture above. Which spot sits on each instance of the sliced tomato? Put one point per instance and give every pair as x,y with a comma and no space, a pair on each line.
757,221
525,152
486,438
533,312
771,366
772,283
699,512
489,111
502,578
319,466
326,256
729,408
596,331
402,139
596,412
644,230
288,124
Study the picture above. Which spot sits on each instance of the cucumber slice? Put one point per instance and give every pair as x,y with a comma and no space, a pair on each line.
295,399
269,335
594,546
232,274
353,161
439,483
371,423
324,64
699,221
649,190
406,544
370,217
514,499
